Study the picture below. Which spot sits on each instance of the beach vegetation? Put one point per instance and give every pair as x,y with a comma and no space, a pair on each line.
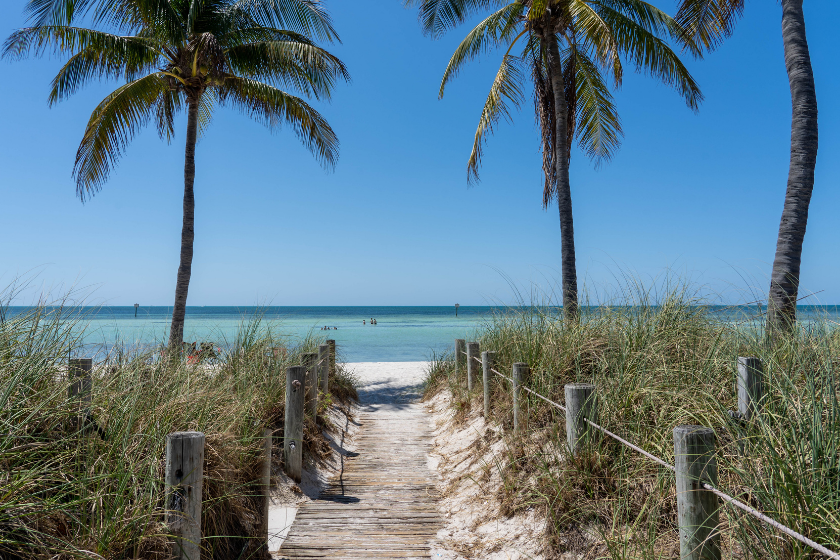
95,488
659,360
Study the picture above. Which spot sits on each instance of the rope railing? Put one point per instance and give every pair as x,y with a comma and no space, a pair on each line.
722,495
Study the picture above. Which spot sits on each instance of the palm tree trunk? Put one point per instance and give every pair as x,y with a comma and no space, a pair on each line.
784,281
564,189
182,284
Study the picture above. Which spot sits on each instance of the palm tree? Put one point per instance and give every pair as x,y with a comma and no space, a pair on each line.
191,55
709,22
570,50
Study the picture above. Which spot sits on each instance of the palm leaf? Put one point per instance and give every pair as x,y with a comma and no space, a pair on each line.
651,55
505,90
496,29
597,125
436,16
273,107
126,57
709,22
302,16
308,68
54,12
111,127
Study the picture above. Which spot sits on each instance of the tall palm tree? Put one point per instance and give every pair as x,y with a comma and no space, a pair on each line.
709,22
569,50
191,55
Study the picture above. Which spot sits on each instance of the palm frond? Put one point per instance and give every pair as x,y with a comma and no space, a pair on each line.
596,35
306,67
206,105
110,57
302,16
651,55
111,127
158,18
597,125
273,107
545,115
62,39
437,16
709,22
494,30
506,89
168,104
54,12
654,20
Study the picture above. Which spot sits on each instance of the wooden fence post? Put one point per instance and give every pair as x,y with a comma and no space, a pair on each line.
80,373
750,387
581,405
520,374
697,508
310,361
293,425
488,360
265,479
331,344
184,477
472,365
460,359
324,367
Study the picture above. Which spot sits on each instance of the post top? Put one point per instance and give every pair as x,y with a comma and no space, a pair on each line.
579,386
323,346
489,352
186,435
693,430
520,365
330,340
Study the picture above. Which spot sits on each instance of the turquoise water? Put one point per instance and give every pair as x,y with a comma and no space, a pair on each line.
401,333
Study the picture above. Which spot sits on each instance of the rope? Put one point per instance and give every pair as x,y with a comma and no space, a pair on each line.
772,522
723,496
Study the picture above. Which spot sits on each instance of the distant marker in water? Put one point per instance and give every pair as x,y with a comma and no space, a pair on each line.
136,305
457,305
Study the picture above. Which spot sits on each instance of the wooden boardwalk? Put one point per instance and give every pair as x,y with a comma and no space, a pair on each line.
385,503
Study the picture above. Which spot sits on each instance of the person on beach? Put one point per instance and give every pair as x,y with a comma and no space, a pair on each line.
363,322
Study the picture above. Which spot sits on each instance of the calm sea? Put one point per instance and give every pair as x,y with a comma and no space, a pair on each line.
401,333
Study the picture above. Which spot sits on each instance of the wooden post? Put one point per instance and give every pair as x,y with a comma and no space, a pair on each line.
310,362
472,365
750,387
488,360
265,479
79,372
331,344
324,367
460,358
580,405
520,374
697,508
293,426
184,477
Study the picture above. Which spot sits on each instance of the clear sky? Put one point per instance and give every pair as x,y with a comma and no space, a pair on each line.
396,223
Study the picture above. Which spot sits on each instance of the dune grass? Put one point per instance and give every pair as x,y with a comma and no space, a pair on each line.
658,363
68,490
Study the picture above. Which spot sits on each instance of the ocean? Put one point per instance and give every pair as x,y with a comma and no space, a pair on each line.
401,334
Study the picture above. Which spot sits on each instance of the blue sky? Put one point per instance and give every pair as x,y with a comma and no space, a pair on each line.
396,223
